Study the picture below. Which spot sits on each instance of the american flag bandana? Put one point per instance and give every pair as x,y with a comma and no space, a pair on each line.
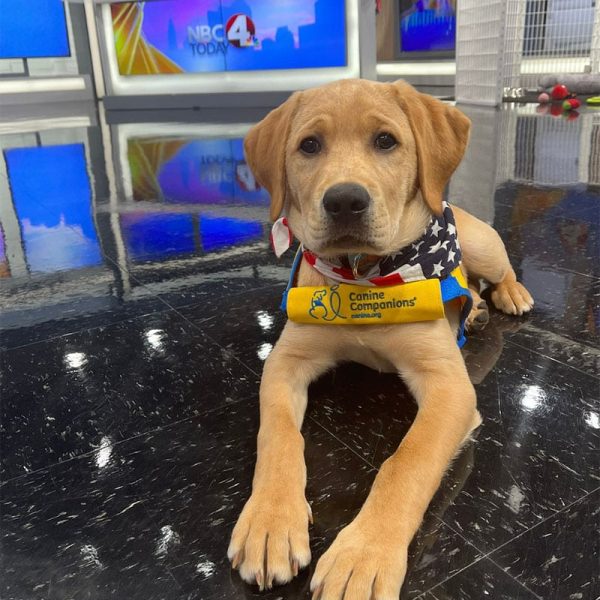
434,255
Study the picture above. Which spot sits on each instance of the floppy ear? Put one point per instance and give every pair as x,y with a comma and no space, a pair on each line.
264,148
441,133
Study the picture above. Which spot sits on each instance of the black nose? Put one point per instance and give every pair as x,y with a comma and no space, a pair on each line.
346,202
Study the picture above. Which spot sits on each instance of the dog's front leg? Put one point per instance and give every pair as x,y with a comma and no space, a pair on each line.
270,540
367,560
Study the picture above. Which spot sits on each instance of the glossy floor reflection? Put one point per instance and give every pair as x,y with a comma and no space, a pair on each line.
138,302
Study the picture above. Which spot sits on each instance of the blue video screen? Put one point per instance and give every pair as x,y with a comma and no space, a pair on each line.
52,196
194,36
427,25
33,29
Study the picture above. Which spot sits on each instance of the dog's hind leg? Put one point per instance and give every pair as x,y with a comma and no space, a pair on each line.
484,256
479,316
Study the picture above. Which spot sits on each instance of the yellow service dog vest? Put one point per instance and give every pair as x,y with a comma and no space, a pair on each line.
344,304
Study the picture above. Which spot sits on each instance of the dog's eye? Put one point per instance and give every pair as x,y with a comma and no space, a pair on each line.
385,141
310,145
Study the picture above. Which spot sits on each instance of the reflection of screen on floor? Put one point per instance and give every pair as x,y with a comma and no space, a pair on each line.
192,36
427,25
163,235
184,171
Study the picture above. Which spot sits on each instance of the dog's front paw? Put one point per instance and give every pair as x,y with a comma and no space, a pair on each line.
361,564
269,543
512,298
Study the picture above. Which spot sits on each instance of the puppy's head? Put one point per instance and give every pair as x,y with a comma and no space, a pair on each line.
359,166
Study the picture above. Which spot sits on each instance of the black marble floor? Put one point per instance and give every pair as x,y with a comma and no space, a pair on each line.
138,301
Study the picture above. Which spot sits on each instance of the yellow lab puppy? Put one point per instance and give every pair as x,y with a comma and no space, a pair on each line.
359,169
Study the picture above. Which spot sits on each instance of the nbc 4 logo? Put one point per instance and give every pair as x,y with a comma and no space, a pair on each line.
240,31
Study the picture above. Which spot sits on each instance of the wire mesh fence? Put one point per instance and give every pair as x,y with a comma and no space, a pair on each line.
479,46
504,47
